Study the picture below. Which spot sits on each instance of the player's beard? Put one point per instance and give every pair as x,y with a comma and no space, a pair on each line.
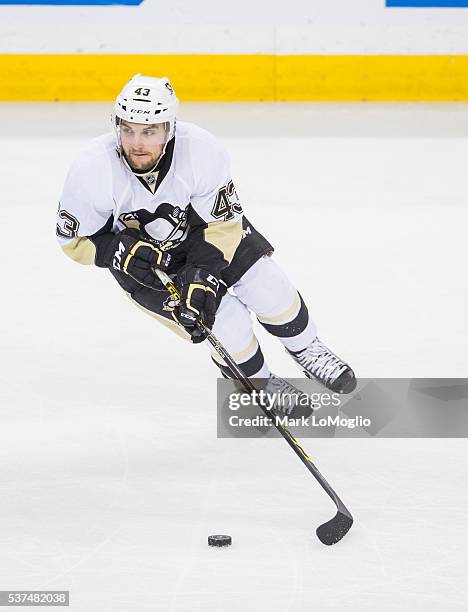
142,164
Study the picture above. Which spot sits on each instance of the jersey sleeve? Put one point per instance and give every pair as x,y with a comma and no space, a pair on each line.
85,213
216,210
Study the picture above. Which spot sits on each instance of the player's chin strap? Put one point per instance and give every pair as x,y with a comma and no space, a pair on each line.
336,528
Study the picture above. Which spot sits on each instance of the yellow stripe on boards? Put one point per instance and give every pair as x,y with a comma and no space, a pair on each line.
101,77
239,78
373,77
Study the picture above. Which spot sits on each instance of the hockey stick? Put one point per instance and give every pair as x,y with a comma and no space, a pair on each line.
336,528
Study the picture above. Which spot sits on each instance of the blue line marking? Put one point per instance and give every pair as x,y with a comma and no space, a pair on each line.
73,2
428,3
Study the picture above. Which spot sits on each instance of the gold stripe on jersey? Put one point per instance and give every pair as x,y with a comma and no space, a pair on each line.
172,325
224,235
285,316
81,250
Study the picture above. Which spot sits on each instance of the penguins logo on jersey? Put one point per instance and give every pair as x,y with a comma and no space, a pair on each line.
130,220
167,227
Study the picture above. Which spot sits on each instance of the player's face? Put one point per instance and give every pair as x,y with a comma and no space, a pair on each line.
142,144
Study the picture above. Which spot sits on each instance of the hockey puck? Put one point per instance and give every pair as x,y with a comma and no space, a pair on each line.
219,540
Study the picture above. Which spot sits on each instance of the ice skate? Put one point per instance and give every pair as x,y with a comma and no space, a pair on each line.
318,362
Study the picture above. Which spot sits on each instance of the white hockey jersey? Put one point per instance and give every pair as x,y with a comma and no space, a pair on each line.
189,197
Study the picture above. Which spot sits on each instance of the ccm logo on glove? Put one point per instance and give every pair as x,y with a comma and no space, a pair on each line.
117,263
132,255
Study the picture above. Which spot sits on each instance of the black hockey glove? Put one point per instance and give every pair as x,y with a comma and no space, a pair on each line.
198,289
128,253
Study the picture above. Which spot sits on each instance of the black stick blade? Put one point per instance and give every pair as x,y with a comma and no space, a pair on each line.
333,530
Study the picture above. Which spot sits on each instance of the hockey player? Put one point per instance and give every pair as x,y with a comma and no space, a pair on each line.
149,195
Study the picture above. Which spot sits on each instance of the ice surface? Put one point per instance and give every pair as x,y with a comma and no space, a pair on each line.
112,477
